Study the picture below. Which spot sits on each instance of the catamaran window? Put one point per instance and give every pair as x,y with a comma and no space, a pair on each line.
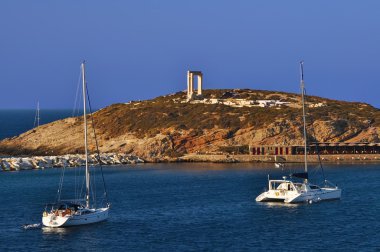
314,187
298,185
281,186
303,187
290,187
285,186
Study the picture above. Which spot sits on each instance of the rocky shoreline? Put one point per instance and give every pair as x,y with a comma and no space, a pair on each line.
71,160
333,158
42,162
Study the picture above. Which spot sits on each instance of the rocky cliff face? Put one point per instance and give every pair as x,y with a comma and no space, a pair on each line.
169,127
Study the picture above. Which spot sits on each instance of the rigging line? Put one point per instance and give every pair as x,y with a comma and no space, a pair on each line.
81,189
75,184
93,182
93,187
76,95
77,176
319,156
35,117
78,184
96,142
79,110
94,176
317,150
61,184
82,184
78,107
306,114
303,98
59,187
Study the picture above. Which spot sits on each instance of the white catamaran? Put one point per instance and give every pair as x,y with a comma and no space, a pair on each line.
78,211
290,191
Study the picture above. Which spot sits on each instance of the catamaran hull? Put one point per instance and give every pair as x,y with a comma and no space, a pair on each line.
310,196
315,196
75,220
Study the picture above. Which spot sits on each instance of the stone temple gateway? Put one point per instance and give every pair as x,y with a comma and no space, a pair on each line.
190,85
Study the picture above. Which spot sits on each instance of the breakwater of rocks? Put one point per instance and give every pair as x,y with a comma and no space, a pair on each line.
42,162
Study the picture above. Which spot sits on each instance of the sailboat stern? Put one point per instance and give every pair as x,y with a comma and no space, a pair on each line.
54,219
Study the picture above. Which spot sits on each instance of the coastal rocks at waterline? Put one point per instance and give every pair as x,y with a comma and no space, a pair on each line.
41,162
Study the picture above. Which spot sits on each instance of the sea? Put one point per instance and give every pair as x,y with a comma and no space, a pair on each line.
195,207
189,207
16,121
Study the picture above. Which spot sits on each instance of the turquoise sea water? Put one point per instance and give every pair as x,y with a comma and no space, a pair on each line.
16,121
196,207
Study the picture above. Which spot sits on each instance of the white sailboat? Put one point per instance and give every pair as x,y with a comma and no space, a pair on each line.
78,211
290,191
37,116
278,164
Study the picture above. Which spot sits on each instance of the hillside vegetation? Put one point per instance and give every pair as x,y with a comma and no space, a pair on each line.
169,126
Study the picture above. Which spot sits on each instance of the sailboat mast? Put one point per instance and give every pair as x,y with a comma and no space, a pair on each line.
37,116
85,136
38,113
303,115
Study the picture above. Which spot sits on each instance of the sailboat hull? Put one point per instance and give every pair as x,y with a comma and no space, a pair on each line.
93,216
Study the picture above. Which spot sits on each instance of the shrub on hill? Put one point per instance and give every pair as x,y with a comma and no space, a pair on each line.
148,118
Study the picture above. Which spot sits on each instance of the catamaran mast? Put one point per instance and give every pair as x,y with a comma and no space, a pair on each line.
85,135
303,116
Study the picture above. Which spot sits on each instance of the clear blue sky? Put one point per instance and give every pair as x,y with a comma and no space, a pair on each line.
141,49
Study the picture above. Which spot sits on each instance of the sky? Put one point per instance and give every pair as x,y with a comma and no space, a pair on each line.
140,49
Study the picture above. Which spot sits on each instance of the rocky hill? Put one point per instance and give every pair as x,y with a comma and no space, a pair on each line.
168,126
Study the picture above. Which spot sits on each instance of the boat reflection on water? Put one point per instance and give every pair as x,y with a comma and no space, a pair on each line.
58,230
279,205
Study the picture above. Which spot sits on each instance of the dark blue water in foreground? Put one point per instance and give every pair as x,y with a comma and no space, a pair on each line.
16,121
198,207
